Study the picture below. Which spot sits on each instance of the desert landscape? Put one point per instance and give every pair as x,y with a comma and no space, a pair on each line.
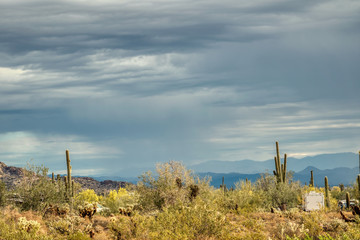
161,119
173,203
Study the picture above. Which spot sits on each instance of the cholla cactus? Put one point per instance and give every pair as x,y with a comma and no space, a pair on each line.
88,210
29,226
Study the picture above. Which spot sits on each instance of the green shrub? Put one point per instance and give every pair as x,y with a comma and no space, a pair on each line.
275,194
176,204
123,227
37,190
312,223
244,197
173,184
68,227
196,221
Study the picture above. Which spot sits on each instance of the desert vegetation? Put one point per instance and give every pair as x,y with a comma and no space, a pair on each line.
174,203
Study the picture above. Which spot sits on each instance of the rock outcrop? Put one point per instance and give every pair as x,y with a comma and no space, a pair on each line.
11,176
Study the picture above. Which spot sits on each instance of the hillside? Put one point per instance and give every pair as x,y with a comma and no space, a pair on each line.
12,176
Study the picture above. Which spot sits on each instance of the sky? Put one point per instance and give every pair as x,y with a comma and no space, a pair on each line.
126,84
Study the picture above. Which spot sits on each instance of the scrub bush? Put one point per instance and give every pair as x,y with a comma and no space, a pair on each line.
36,190
22,229
119,199
244,197
197,221
88,196
173,184
275,194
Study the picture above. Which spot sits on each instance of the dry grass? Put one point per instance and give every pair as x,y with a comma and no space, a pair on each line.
251,225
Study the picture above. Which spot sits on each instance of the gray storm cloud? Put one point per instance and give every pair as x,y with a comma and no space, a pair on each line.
130,83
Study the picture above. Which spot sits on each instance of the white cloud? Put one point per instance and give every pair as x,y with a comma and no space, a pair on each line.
48,148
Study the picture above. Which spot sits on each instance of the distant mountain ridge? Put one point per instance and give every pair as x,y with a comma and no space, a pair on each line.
336,176
338,167
322,162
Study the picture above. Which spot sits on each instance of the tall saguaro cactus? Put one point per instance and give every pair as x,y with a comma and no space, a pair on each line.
223,186
311,184
347,200
327,196
68,172
66,185
280,169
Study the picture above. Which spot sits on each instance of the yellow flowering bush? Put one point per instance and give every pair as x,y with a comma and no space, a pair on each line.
87,195
116,199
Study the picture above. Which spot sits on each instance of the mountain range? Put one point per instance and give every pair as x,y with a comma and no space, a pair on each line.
322,162
339,168
336,176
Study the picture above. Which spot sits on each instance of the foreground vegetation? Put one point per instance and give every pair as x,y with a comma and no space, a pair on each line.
173,204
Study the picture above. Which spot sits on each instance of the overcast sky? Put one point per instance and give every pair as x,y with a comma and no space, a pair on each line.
123,84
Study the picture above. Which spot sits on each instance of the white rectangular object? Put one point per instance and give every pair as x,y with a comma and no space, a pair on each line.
314,201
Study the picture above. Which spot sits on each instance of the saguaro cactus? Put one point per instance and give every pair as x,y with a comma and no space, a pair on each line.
72,188
58,178
347,200
223,186
53,178
68,168
327,196
66,184
311,184
358,182
280,169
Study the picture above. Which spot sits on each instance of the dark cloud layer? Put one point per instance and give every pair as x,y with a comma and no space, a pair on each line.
130,83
